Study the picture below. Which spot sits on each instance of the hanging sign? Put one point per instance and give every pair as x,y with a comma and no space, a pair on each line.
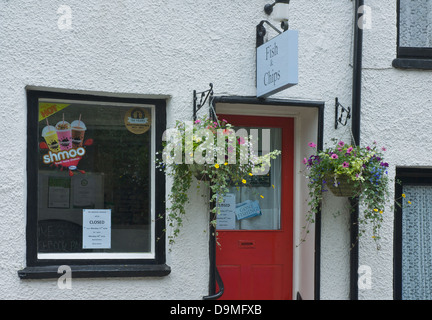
277,64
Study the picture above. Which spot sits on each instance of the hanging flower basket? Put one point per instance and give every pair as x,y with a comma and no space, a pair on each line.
350,171
342,185
199,171
229,161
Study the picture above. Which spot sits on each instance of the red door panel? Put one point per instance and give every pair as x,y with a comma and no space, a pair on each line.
257,264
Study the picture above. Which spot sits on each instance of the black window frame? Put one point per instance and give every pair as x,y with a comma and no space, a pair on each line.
404,176
411,57
40,269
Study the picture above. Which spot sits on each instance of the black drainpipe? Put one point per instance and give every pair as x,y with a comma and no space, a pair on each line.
356,113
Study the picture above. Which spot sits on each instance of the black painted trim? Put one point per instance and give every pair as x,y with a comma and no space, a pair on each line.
411,63
411,57
38,268
356,121
96,271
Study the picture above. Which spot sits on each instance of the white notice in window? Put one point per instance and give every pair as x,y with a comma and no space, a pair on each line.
96,229
226,218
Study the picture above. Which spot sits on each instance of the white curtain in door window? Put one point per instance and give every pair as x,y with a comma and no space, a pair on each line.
268,197
417,243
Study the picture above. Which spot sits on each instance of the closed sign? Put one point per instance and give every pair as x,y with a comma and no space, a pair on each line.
277,64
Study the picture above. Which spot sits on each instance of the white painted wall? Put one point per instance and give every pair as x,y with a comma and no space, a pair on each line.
163,50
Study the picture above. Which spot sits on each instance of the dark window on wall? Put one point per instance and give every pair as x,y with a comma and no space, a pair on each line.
95,199
414,43
413,235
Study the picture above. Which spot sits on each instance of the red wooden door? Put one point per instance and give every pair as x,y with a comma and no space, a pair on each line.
254,259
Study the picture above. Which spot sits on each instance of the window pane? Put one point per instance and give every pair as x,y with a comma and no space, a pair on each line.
94,156
262,193
417,244
415,29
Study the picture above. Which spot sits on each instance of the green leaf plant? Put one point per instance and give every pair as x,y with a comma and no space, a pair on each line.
366,172
212,153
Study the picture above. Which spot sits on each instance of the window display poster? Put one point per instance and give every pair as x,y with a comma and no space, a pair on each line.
63,143
58,192
96,229
226,217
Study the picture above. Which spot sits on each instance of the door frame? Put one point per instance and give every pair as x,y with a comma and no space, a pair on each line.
307,114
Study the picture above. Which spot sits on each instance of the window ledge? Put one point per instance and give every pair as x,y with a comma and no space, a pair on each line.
96,271
405,63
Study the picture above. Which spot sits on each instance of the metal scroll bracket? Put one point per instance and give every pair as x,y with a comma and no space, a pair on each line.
204,96
339,116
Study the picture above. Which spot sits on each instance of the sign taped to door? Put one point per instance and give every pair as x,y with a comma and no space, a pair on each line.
248,209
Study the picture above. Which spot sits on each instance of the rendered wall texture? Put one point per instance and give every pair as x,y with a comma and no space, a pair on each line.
168,50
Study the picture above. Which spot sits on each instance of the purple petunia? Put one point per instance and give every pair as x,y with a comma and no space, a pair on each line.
345,164
334,156
311,144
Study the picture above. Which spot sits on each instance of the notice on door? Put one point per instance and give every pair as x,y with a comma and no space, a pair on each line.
96,229
226,217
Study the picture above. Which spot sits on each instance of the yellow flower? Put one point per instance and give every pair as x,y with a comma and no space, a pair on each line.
409,202
376,210
261,196
273,186
250,173
244,181
381,212
403,195
226,163
217,166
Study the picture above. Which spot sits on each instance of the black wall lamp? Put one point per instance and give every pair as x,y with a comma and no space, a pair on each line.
281,12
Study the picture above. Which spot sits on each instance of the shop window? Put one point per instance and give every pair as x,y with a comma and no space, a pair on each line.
95,199
414,48
413,235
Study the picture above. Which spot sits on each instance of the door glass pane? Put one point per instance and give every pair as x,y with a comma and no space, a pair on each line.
417,244
262,192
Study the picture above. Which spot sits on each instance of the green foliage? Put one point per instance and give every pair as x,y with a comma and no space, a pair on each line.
212,153
363,167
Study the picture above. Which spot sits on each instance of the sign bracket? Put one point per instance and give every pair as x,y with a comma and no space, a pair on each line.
339,117
204,95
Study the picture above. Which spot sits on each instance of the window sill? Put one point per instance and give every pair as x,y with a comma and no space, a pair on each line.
96,271
405,63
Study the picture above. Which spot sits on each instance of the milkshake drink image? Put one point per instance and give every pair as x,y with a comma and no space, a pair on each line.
78,131
50,135
64,134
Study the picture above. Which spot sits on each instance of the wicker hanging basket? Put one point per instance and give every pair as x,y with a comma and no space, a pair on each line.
197,171
342,185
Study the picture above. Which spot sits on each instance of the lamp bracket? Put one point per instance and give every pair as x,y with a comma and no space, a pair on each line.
339,116
204,95
268,8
